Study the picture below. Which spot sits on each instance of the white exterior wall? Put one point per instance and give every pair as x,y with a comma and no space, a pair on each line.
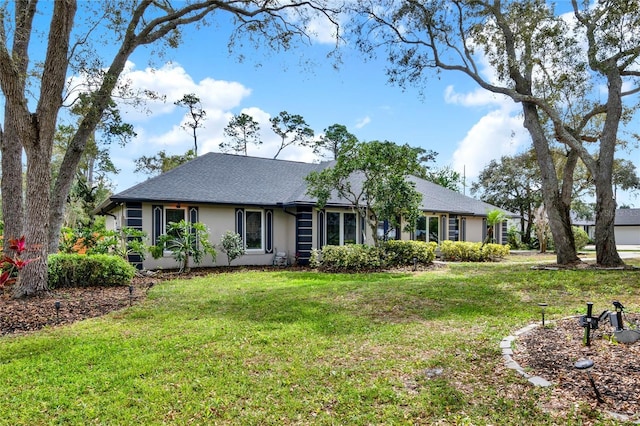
218,219
474,229
627,235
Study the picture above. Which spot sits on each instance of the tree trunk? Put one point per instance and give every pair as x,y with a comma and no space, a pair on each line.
606,251
10,146
36,132
11,183
557,204
33,278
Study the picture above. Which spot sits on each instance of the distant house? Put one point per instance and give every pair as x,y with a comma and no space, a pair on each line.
626,226
265,201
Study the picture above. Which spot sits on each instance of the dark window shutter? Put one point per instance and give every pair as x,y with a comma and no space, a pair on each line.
268,214
158,225
321,236
240,223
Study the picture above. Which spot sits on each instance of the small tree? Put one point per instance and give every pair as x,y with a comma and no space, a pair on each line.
127,241
242,130
332,142
231,244
374,177
292,129
185,240
161,162
198,115
494,218
541,222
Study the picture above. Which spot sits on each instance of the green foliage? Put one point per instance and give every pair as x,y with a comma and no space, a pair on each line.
242,130
232,245
403,253
121,243
352,257
368,341
580,237
292,130
161,162
358,257
384,192
464,251
197,115
332,142
445,177
494,218
77,270
185,240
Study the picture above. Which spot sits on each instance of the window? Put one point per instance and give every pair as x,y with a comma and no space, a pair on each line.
253,230
172,215
162,216
256,229
386,231
421,229
428,229
342,228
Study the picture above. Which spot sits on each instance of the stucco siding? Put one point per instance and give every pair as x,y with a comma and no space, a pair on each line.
219,219
474,229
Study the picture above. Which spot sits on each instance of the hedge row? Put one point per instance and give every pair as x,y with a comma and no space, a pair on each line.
75,270
358,257
472,252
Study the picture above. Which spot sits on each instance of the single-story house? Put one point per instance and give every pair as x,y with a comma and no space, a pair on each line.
265,201
626,226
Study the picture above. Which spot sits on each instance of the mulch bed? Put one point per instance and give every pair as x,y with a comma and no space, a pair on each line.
552,352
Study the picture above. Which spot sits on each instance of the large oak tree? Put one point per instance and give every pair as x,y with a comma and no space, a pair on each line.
570,74
70,47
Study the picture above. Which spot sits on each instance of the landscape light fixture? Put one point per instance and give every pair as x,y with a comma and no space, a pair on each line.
415,263
543,306
57,306
130,294
586,365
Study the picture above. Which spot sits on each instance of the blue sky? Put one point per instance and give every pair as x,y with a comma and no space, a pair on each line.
467,126
356,95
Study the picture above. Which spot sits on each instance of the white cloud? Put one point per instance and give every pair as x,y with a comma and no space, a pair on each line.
494,135
363,122
171,82
476,98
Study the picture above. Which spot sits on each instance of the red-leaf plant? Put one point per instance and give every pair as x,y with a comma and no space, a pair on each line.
11,266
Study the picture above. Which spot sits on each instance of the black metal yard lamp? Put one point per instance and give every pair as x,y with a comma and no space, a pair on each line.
130,295
57,306
586,365
543,306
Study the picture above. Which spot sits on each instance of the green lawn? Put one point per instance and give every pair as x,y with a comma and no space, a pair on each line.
287,347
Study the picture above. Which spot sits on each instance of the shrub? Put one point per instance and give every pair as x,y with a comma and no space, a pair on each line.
352,257
464,251
403,253
495,252
231,244
185,240
77,270
580,237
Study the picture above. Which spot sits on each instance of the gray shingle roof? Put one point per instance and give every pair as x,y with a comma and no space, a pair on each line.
216,178
224,179
627,217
